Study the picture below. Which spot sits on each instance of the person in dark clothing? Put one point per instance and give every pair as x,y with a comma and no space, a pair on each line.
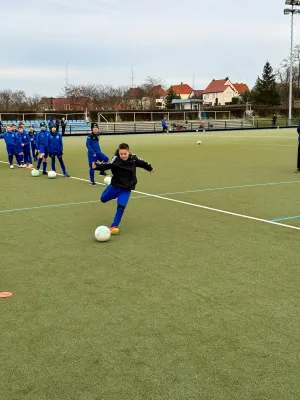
123,167
63,125
57,124
274,120
298,157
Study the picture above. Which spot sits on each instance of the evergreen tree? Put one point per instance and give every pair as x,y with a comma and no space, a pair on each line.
265,90
170,96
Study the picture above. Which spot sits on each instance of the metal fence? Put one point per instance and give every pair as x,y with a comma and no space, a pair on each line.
193,126
83,128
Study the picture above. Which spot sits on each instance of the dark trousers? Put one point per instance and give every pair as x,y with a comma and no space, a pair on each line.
298,158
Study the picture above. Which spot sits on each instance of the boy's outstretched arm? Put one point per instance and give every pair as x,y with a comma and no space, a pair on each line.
102,166
143,164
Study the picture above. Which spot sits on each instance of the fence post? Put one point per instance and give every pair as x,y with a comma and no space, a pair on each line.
242,124
154,127
257,124
114,128
70,129
225,125
134,128
191,126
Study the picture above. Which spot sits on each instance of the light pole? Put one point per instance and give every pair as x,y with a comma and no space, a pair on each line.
293,10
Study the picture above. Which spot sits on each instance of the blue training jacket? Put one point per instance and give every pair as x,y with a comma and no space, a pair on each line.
25,138
93,144
32,136
42,138
298,130
55,143
10,138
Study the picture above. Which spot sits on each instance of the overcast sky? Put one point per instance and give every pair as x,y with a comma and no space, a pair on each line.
102,39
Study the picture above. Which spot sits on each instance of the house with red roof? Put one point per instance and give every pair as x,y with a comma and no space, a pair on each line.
219,92
183,90
241,87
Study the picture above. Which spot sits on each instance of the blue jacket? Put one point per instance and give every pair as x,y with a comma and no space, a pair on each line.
163,123
42,138
93,144
32,136
55,143
10,138
298,130
25,138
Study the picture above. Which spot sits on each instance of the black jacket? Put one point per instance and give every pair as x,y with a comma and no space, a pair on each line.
124,172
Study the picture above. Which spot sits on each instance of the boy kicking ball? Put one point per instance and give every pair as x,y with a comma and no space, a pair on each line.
123,167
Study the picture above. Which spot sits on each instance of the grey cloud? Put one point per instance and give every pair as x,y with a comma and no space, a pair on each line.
102,39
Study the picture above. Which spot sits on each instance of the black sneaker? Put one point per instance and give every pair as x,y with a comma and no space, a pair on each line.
103,173
45,173
92,183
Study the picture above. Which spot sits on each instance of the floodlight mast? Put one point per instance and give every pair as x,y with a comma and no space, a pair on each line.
292,11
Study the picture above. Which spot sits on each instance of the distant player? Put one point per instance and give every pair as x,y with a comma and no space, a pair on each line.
55,147
94,151
25,144
32,135
298,158
11,141
42,147
123,166
164,125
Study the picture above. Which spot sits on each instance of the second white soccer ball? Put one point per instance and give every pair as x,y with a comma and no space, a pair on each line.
51,174
102,233
198,141
35,172
107,180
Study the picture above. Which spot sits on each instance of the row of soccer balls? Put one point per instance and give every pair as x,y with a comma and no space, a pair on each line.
36,172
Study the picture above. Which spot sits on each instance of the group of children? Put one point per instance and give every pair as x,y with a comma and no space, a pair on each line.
25,146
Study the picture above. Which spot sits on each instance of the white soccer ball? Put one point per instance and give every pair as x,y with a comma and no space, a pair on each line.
51,174
102,233
107,180
35,172
198,141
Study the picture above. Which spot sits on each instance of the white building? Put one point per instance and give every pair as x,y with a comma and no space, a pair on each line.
219,92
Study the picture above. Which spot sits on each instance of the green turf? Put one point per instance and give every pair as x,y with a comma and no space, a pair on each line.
184,304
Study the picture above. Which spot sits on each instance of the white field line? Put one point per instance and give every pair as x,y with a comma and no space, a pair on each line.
200,206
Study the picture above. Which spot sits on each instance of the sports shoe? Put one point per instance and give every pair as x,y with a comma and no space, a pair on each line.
103,173
45,173
29,166
11,167
92,184
67,175
297,170
114,230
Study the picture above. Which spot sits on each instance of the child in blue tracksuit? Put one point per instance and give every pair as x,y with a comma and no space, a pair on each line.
94,151
20,149
32,135
25,145
123,166
55,147
42,147
12,142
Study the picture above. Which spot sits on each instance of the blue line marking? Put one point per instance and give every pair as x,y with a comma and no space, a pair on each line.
285,218
160,194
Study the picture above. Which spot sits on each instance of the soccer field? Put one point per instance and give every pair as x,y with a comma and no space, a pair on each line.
197,298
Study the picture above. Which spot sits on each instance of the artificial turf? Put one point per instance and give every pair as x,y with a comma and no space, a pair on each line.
186,303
